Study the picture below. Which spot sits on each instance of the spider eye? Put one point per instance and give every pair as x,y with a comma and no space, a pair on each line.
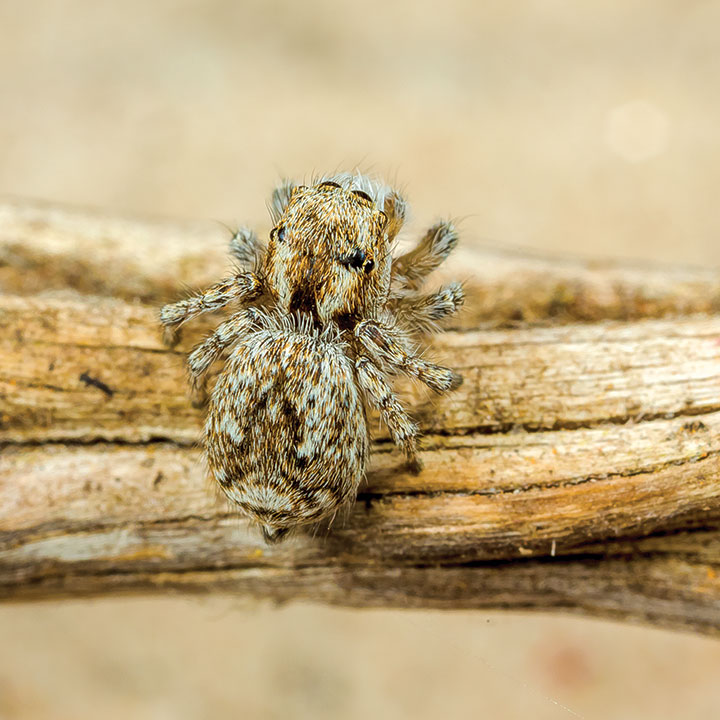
356,258
362,194
369,265
278,233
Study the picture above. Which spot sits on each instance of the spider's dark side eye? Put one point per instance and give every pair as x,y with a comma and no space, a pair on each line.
362,194
278,233
356,258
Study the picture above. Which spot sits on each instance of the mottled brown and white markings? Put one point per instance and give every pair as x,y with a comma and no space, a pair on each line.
326,316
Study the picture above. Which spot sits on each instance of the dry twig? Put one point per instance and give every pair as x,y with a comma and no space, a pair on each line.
578,467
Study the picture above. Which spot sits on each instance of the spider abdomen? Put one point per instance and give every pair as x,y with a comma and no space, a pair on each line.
286,435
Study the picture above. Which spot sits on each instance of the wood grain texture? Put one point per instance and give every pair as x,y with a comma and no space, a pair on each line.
578,467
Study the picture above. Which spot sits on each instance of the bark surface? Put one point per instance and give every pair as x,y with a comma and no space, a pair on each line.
577,467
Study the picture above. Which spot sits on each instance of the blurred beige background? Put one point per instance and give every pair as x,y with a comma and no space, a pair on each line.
590,128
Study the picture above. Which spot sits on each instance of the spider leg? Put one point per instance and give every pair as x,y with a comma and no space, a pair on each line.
280,199
402,428
242,288
207,352
409,270
389,346
422,313
246,247
395,208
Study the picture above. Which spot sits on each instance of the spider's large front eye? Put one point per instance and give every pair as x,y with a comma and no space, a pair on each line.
356,258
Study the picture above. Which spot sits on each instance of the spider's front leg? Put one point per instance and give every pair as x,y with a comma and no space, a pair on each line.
403,429
206,353
390,347
246,247
242,288
395,208
280,198
409,270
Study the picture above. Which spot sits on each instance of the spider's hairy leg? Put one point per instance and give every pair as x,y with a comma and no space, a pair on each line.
246,247
395,208
280,199
402,428
242,288
207,352
389,346
409,270
422,313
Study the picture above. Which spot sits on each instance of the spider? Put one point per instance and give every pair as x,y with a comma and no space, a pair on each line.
327,316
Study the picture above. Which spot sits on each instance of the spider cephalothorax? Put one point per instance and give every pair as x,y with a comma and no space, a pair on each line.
328,254
286,435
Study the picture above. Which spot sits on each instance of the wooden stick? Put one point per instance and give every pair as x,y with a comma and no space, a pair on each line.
578,467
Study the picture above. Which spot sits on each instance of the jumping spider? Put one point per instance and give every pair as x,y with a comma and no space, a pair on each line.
327,317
